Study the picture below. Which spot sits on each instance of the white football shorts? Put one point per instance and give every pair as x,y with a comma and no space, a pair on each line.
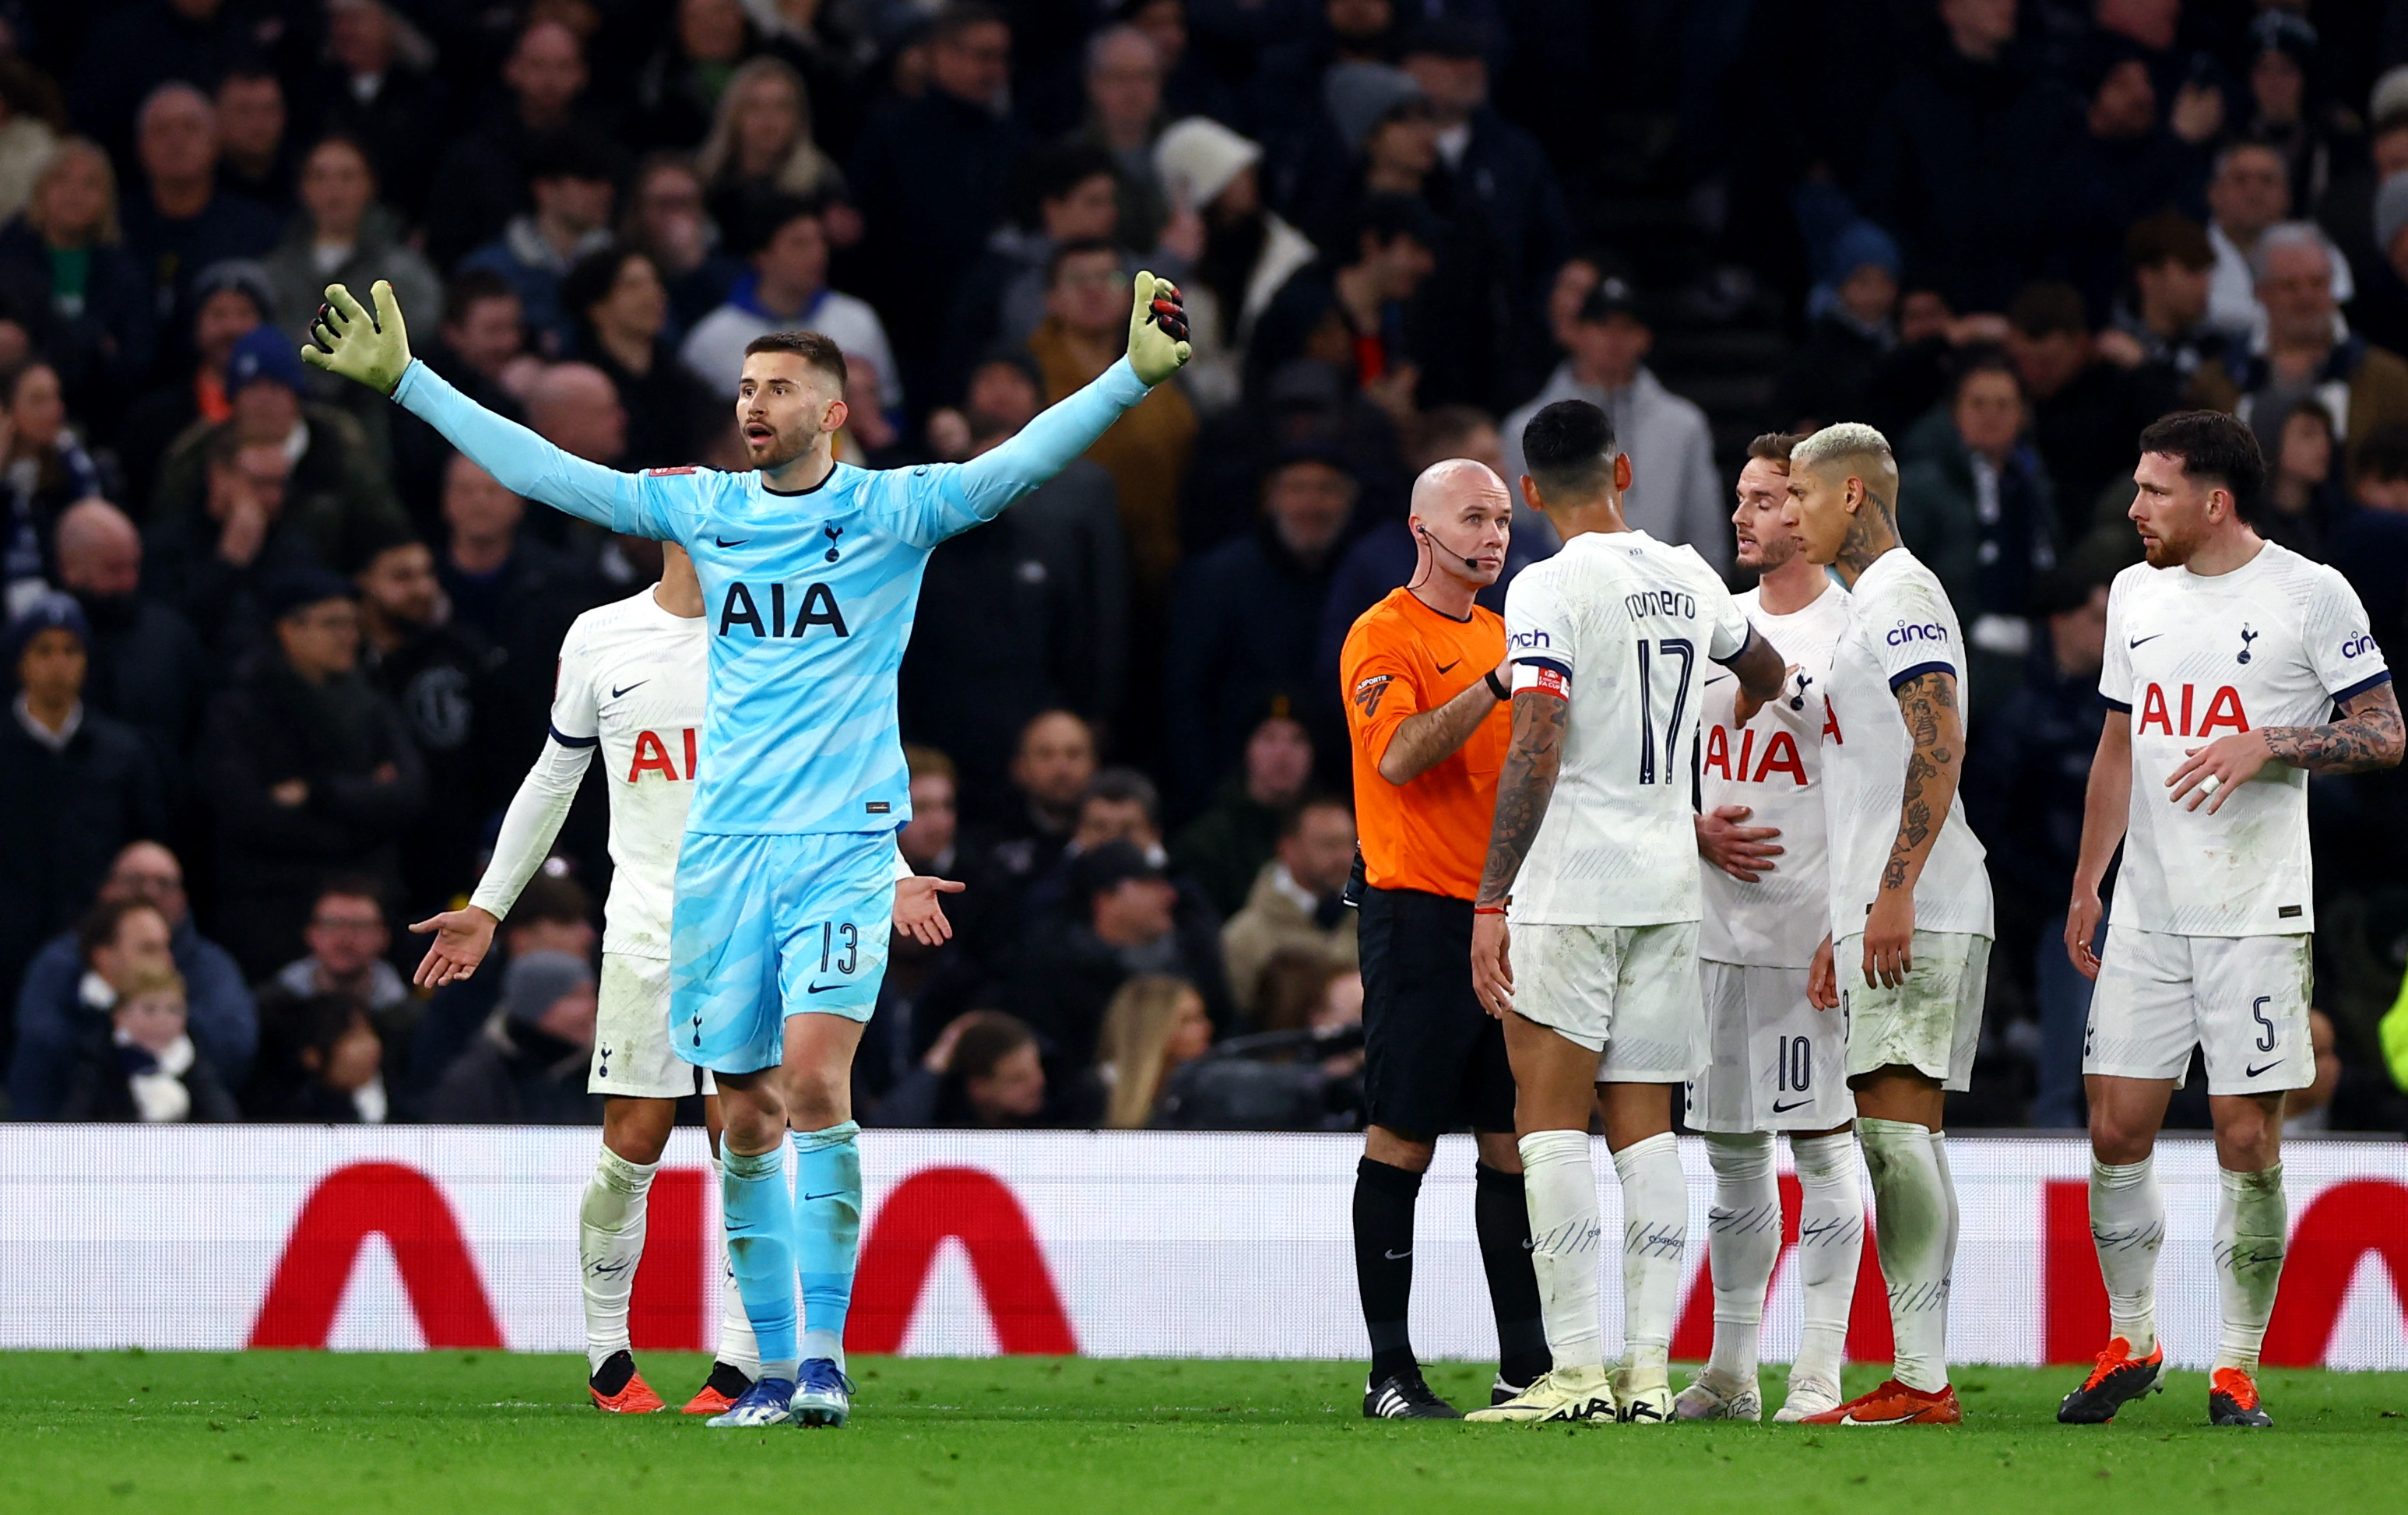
631,1035
1774,1061
2241,1000
1932,1022
1628,994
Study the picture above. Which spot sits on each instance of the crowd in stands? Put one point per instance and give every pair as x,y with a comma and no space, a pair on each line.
279,656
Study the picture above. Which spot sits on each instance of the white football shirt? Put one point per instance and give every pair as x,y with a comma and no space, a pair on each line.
2279,641
1774,767
1900,625
632,678
1622,625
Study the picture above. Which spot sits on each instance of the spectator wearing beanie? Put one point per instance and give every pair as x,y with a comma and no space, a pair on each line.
2381,309
229,299
1249,251
528,1065
1850,329
309,769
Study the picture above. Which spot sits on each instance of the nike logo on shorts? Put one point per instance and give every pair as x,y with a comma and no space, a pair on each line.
822,989
2151,637
833,1194
1779,1109
618,691
725,542
2252,1073
1398,1257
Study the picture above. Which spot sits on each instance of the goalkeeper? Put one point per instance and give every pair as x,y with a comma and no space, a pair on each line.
810,574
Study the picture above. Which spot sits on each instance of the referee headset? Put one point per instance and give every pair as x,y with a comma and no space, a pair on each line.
1436,546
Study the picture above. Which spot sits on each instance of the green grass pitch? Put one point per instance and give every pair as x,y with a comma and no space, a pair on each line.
294,1433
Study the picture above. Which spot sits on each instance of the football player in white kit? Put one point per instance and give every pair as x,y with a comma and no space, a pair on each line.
1774,1062
1610,639
2227,658
1911,921
631,683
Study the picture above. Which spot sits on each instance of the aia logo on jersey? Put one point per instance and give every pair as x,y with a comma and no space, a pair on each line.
2357,646
652,756
1906,632
2222,712
817,607
1780,756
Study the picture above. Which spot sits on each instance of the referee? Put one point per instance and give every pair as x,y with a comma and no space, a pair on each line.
1427,718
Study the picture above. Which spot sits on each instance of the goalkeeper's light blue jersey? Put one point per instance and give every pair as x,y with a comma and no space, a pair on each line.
809,597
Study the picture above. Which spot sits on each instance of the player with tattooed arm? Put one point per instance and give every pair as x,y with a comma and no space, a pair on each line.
1585,932
1910,925
2235,668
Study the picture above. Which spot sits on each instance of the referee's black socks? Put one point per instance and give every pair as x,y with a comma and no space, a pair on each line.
1502,1216
1383,1258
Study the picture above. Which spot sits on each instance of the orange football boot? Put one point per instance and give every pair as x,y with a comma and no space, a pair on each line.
633,1396
721,1391
1893,1404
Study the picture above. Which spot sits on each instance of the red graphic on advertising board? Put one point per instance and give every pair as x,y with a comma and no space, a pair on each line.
976,1209
673,1304
1869,1331
403,1205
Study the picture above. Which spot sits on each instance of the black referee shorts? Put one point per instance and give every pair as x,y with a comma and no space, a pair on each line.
1433,1060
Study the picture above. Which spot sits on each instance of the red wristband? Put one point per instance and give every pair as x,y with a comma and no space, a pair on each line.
1489,910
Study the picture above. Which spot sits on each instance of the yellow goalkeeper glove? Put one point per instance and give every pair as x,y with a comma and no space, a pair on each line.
1157,342
373,349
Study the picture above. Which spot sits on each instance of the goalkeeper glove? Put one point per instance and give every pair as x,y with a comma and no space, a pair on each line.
1157,343
373,349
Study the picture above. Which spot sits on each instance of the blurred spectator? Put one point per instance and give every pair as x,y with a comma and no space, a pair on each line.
528,1065
1349,309
182,222
1675,492
336,493
378,86
1246,622
1224,848
665,220
1247,252
79,785
484,174
146,665
2249,195
440,677
2085,411
1124,77
930,175
1072,196
1976,504
212,564
2025,779
1959,158
141,920
1849,332
1124,925
568,191
620,310
1147,448
29,137
575,407
1037,602
554,915
2285,107
1192,86
342,236
320,1063
760,148
347,940
43,469
787,290
308,768
927,986
1296,902
480,348
2303,347
255,159
2122,164
1050,767
229,299
136,49
518,592
1493,183
2381,310
2371,547
148,1070
2161,329
983,1074
2304,500
67,249
692,72
1154,1024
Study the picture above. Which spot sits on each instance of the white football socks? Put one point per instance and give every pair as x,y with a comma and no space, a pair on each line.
1743,1244
609,1244
1830,1246
2252,1224
1912,1206
2127,1227
738,1347
1561,1188
1655,1234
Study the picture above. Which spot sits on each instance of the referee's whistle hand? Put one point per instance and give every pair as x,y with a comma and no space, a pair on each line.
1491,966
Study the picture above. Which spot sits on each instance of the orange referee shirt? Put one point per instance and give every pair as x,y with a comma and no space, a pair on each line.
1403,657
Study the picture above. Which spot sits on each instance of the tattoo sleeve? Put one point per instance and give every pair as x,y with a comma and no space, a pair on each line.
1525,786
2366,738
1929,701
1423,740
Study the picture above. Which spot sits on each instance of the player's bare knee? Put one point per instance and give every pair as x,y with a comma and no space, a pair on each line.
2119,1136
2248,1132
1499,1149
818,1098
639,1129
1398,1151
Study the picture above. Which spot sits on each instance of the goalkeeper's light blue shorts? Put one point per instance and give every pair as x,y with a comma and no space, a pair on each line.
766,927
